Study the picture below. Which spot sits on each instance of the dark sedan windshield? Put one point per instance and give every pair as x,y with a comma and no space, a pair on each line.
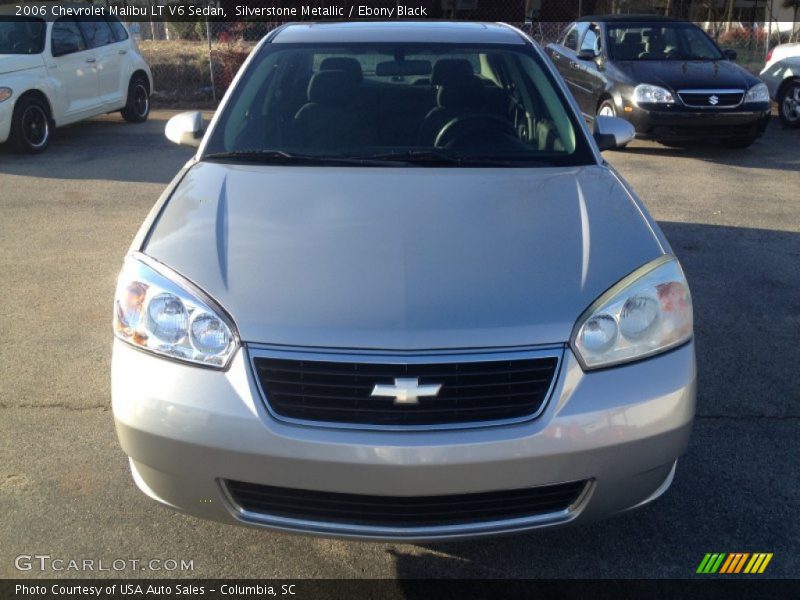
21,36
370,104
660,41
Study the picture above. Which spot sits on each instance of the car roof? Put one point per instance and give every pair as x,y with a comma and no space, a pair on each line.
641,18
399,31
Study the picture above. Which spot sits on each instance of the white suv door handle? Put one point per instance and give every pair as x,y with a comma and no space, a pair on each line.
123,51
91,59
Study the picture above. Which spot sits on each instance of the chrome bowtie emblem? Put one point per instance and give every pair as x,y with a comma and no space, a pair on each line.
713,100
406,391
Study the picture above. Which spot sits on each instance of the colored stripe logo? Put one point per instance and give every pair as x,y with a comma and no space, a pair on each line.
734,563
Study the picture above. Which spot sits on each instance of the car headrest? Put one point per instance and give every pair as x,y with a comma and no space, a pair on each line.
464,94
632,37
451,70
332,87
342,63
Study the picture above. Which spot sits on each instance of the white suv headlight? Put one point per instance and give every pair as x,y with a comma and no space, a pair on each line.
648,312
157,310
758,93
652,94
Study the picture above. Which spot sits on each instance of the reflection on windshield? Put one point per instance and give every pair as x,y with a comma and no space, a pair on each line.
398,104
670,41
21,36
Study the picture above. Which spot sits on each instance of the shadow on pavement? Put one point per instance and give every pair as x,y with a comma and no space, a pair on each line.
767,152
104,148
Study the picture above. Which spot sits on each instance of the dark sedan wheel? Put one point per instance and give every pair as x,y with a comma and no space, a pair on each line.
30,126
138,106
606,109
789,104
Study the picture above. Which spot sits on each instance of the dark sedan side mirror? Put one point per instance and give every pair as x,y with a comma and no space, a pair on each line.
587,54
729,53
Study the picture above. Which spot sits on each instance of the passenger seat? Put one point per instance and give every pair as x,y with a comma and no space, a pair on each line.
331,118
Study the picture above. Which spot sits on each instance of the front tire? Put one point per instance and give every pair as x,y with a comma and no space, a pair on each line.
606,109
31,126
137,108
789,104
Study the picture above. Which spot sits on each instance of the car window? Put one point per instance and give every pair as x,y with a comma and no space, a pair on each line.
97,33
21,35
660,41
591,41
361,101
117,28
573,35
66,37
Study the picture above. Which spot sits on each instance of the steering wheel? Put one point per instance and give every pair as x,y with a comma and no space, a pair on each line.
472,124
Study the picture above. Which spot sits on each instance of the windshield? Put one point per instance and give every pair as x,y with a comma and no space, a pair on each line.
21,36
439,105
660,41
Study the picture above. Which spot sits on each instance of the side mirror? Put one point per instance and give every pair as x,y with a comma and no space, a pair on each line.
185,129
612,132
587,54
729,53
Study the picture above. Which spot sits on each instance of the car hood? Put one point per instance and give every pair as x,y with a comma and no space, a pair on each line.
679,75
9,63
402,258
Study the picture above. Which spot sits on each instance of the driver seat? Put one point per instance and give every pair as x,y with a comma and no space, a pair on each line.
459,93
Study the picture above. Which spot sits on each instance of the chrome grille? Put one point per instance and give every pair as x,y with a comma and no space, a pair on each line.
340,392
711,98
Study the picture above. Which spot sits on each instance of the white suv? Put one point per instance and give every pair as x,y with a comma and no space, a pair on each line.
64,70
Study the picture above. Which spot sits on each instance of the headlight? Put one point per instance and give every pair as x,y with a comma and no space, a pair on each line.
648,312
758,93
5,93
652,94
159,311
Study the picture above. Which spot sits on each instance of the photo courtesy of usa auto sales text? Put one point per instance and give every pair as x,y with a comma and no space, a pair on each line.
135,589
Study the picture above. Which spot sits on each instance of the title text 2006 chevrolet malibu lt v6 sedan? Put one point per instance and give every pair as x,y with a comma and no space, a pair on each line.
398,294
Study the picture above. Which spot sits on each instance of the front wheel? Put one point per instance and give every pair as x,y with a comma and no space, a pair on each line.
738,143
30,126
606,109
137,107
789,104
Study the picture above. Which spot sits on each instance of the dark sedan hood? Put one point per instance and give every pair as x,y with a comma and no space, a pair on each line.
679,74
402,258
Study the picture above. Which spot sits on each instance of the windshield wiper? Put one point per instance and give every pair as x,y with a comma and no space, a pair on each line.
281,157
434,158
419,157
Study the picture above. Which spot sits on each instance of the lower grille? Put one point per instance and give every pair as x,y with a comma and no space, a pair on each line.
401,511
711,99
341,392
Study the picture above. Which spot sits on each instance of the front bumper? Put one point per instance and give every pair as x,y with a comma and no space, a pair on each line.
187,429
680,124
6,114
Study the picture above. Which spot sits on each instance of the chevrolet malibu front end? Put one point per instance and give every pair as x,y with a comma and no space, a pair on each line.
398,294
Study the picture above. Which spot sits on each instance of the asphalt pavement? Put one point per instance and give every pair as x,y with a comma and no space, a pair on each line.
67,217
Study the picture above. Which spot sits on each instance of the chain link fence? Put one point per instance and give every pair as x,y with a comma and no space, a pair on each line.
193,63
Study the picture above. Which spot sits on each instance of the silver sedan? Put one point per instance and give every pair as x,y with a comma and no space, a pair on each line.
399,294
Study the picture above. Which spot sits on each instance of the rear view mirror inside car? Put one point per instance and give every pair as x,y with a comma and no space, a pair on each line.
403,68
